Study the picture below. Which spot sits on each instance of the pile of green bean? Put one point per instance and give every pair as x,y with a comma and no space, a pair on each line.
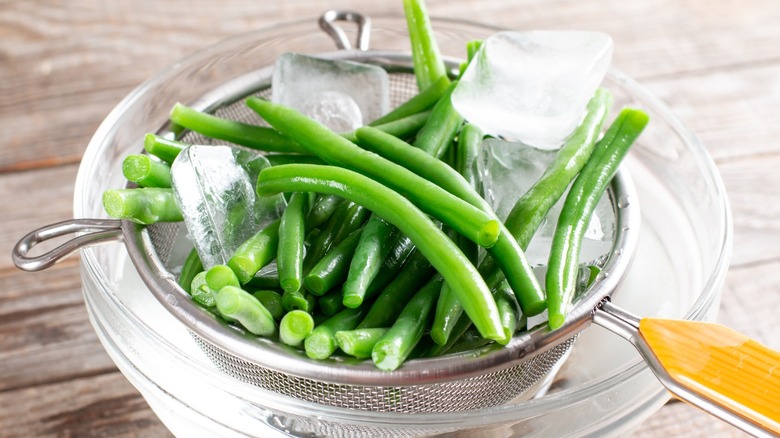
377,253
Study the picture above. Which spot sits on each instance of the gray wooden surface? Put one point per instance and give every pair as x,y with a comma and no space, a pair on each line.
65,64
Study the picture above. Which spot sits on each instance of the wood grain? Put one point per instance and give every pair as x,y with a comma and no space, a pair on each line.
39,197
65,65
46,335
98,406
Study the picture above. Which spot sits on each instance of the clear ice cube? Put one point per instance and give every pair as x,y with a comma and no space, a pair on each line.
342,95
509,169
533,86
215,188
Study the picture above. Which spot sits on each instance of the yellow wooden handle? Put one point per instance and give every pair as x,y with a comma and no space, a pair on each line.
727,367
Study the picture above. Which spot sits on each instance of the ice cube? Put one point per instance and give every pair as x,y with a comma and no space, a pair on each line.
509,169
215,188
533,86
342,95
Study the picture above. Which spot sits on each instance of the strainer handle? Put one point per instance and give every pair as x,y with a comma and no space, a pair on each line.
328,24
102,230
710,366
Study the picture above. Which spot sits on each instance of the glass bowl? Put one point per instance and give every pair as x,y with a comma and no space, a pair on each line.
603,389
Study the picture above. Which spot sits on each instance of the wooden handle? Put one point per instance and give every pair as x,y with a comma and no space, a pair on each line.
720,364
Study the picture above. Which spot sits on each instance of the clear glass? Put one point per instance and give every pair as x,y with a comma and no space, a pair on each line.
603,390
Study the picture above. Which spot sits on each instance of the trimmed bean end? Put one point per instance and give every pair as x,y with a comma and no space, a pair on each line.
136,167
352,301
508,333
488,233
534,308
385,360
290,284
242,267
556,321
114,204
319,346
315,285
149,141
438,336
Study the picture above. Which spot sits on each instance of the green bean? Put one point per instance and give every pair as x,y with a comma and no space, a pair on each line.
359,342
220,276
331,303
506,251
442,126
332,269
585,192
448,308
370,253
428,64
294,327
508,309
442,253
469,341
298,300
256,252
419,162
321,211
334,149
346,219
237,304
143,206
146,172
461,327
469,142
394,347
355,220
163,148
321,342
406,127
264,281
272,301
531,209
388,305
418,103
471,49
200,291
191,267
251,136
400,249
448,311
292,234
279,159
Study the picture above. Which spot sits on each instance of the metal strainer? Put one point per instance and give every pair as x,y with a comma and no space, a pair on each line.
485,377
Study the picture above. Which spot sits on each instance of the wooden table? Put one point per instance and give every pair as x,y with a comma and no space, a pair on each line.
65,64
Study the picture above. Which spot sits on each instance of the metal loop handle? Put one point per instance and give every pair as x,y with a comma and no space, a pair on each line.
104,230
327,23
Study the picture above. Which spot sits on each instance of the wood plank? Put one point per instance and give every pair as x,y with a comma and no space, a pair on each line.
751,297
105,405
88,54
45,334
38,197
678,419
753,188
733,113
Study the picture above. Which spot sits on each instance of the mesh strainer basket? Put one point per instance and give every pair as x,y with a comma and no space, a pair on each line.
489,376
